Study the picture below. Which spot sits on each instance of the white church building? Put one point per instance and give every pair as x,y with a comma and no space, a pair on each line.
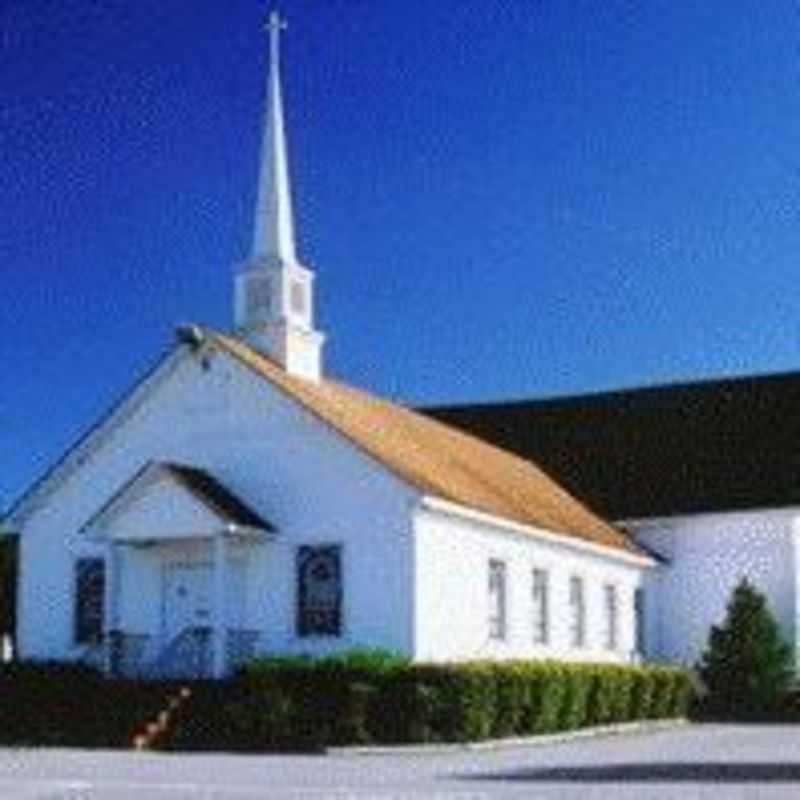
238,501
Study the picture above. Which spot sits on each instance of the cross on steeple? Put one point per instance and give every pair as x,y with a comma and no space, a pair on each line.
275,22
273,26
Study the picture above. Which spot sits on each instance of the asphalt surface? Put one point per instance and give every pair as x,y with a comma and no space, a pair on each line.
690,762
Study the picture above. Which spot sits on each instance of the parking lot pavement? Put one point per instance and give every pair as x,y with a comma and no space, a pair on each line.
686,763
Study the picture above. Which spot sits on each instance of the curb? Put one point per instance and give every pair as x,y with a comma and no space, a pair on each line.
648,726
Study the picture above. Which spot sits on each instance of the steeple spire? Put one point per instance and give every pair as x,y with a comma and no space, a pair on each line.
274,297
273,235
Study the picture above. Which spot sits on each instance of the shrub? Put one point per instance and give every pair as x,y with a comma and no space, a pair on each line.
682,693
512,697
642,694
601,697
462,700
403,710
623,688
372,661
310,703
577,683
746,666
546,695
53,703
280,704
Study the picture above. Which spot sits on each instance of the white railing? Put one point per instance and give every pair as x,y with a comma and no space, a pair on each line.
241,646
190,654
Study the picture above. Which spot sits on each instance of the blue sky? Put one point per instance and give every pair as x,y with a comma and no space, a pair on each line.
501,198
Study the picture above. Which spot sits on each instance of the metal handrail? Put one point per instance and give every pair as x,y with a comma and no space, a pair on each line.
188,654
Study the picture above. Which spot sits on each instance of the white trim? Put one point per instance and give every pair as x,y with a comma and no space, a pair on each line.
245,535
99,527
249,531
455,509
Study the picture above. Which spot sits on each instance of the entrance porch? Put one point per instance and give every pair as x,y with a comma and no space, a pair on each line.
198,628
179,550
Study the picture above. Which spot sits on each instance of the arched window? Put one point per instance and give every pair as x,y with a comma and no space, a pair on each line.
319,591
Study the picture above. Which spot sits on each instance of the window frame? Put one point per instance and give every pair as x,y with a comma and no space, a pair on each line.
497,594
611,616
304,627
639,620
540,579
89,612
577,609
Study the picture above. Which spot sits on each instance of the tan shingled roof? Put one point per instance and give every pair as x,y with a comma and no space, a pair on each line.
436,458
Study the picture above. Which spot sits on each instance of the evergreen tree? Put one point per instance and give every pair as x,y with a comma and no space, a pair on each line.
746,667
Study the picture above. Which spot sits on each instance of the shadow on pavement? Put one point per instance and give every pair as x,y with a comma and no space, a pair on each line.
689,772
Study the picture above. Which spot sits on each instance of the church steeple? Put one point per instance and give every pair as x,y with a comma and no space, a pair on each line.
273,235
273,291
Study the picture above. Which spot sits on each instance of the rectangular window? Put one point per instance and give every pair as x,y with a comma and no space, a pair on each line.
319,590
638,619
611,614
90,581
297,295
541,612
258,292
497,599
577,611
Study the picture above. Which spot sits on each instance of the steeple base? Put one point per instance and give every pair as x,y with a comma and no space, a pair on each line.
298,351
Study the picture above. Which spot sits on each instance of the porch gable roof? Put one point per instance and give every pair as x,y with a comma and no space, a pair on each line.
168,500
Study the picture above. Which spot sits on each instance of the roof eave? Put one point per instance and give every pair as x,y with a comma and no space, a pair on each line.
636,556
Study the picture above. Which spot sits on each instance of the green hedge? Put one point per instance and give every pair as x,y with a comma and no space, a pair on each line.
360,697
58,704
280,704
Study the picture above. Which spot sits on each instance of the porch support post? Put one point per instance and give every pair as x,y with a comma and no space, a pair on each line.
220,633
110,602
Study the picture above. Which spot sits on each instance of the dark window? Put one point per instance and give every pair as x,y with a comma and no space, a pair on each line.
611,616
319,590
577,609
638,610
497,599
541,615
89,599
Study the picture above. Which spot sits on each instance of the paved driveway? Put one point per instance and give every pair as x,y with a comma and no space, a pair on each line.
699,761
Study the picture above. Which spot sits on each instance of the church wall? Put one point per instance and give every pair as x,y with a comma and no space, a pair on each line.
309,482
452,557
708,554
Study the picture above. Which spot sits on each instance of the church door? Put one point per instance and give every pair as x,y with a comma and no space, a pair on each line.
187,597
